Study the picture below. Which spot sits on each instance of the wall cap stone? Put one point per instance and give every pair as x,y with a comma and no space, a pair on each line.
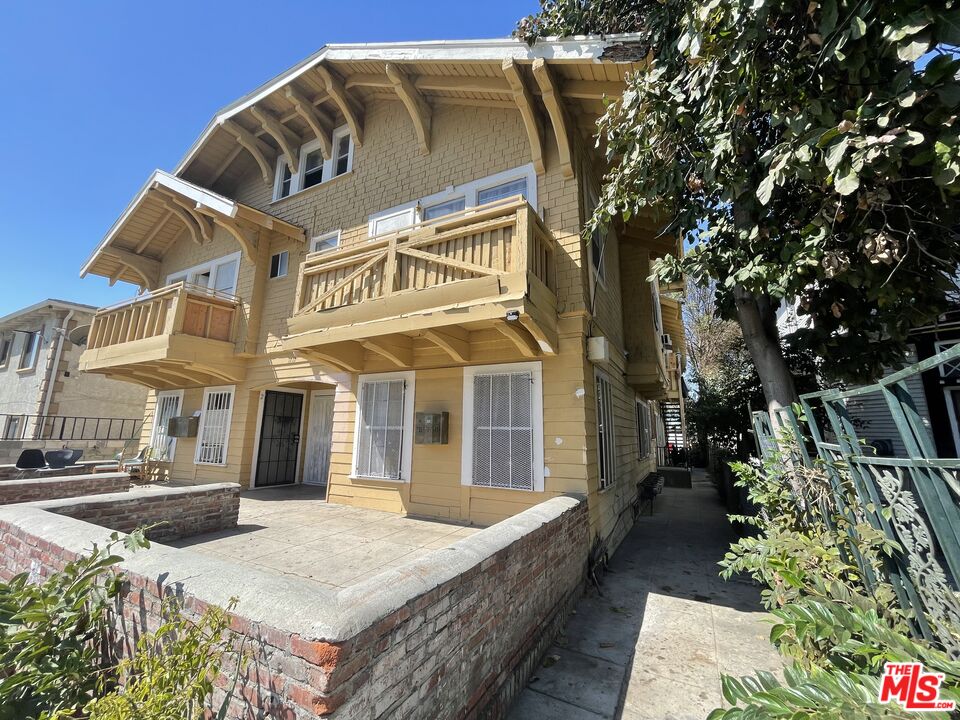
291,604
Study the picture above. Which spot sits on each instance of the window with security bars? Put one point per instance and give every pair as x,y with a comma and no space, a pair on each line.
214,426
606,450
168,406
643,428
503,430
380,439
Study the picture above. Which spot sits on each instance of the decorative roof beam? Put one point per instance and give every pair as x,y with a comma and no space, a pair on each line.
551,101
289,143
420,112
343,101
306,110
434,82
454,341
189,222
147,268
520,337
398,349
247,239
204,223
253,145
525,104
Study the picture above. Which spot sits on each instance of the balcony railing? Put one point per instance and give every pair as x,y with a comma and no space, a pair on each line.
490,240
63,427
179,308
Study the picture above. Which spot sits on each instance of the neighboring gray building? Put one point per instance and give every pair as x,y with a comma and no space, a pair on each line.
40,385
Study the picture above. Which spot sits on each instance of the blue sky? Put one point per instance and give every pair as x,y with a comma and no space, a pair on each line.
98,94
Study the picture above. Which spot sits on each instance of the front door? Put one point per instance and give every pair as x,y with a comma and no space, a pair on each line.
279,439
316,461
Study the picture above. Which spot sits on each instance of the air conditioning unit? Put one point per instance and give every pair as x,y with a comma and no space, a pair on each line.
667,341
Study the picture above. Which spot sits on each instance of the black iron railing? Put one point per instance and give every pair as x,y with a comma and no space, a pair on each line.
65,427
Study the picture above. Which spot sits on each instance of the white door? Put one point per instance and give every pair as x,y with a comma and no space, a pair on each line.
316,462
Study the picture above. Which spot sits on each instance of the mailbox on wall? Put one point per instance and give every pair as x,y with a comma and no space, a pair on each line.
179,427
431,428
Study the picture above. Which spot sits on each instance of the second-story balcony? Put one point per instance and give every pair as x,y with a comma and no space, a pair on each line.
180,335
399,298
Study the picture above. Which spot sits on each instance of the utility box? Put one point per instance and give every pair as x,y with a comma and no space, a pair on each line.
178,427
599,350
431,428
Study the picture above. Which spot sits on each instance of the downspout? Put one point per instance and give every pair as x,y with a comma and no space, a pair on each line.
52,369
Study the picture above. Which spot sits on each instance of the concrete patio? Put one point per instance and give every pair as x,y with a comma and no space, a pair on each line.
654,644
294,531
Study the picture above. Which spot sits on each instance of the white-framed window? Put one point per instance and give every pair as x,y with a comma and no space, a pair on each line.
383,435
606,431
219,274
214,433
278,264
643,428
518,181
503,426
325,242
13,429
313,169
4,351
167,407
28,350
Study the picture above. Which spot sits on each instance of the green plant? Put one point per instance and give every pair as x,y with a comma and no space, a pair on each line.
54,647
171,675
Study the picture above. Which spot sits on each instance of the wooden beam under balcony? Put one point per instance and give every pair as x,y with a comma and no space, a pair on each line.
520,337
340,356
453,340
398,349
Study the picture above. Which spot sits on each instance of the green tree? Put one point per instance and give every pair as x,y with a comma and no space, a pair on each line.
815,140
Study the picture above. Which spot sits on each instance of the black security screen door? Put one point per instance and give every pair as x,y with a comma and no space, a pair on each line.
279,439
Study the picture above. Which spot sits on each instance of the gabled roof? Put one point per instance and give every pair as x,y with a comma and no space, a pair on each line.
165,207
49,303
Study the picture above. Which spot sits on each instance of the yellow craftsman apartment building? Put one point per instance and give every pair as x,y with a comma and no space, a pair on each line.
370,274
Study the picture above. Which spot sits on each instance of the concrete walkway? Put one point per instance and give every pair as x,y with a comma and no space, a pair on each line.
654,645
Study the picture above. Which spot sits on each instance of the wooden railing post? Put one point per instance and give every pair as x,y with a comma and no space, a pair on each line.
522,241
390,268
175,319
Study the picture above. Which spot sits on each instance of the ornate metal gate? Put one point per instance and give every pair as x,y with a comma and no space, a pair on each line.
913,500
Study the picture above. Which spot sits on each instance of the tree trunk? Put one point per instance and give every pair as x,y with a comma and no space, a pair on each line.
757,319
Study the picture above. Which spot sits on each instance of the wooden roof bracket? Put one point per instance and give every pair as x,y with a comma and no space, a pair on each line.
398,349
204,223
247,239
550,95
454,341
147,268
343,101
306,110
520,337
253,145
525,104
420,112
289,143
191,224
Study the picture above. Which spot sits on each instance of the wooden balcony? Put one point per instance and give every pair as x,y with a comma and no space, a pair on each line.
177,336
401,296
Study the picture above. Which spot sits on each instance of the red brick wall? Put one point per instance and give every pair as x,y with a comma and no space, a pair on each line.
461,649
48,488
181,511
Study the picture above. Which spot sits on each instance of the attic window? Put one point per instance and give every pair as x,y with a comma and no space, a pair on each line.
313,169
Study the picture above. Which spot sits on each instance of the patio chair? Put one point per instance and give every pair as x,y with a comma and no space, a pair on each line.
75,457
58,459
30,459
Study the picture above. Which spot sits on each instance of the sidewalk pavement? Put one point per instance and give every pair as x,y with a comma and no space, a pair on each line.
654,644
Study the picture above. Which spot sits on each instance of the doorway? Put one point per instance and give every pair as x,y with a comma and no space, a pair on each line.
316,462
279,446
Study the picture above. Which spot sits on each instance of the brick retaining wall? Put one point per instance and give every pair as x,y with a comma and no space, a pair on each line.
10,472
181,511
61,486
454,634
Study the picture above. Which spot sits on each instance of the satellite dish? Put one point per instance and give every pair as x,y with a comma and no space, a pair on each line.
78,336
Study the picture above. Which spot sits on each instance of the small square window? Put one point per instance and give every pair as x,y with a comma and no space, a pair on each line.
327,241
278,264
313,169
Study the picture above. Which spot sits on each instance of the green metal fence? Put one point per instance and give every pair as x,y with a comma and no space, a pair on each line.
913,500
